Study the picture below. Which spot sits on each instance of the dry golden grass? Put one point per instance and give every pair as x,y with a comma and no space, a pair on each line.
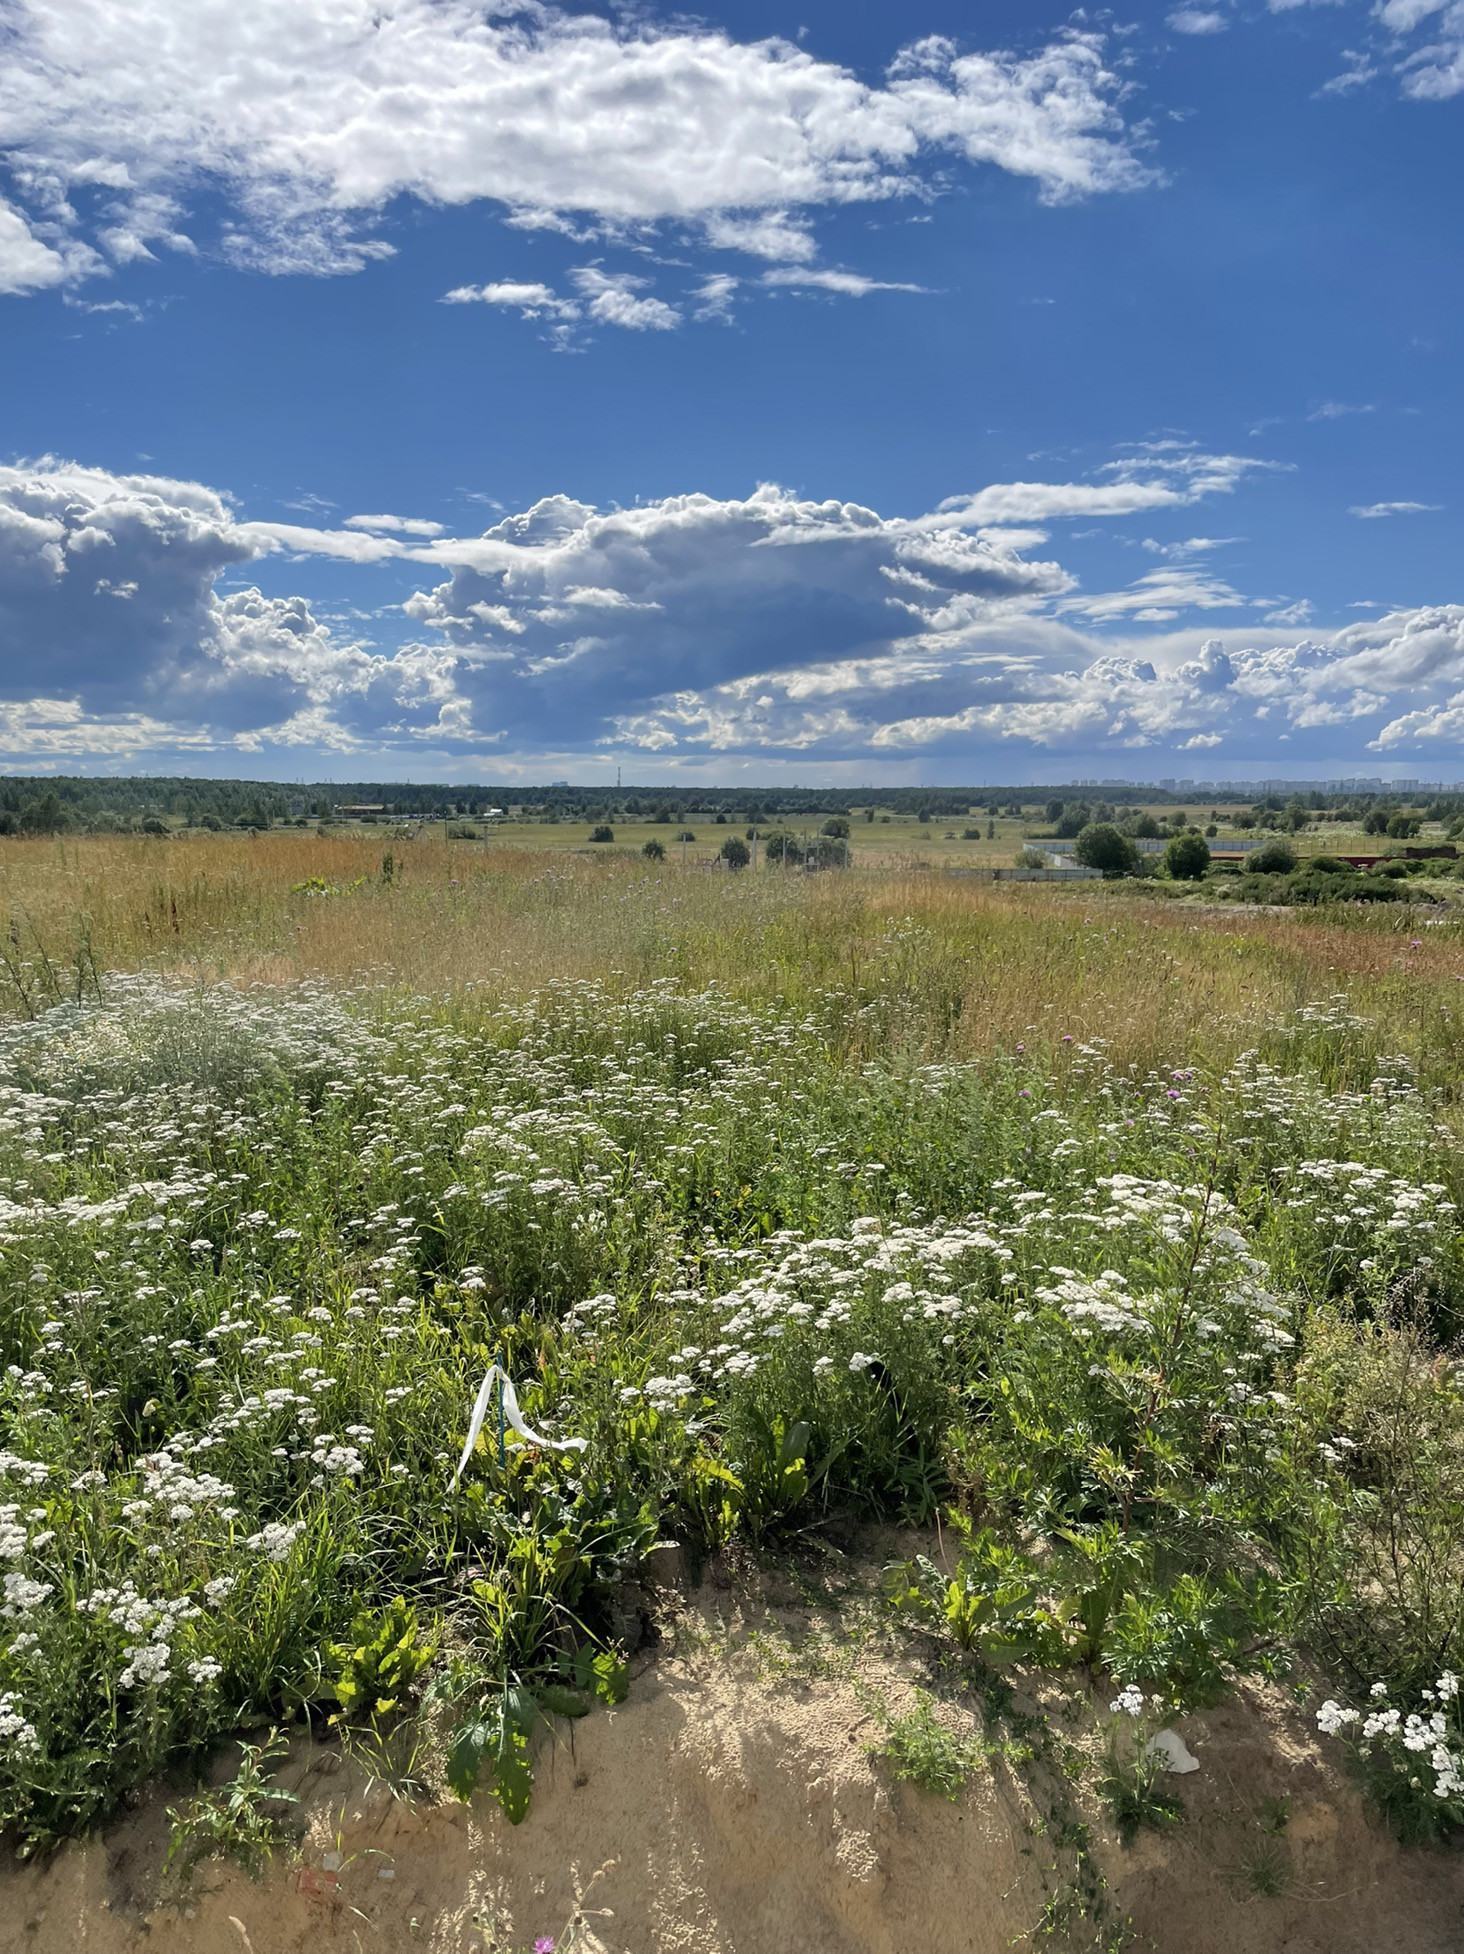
937,963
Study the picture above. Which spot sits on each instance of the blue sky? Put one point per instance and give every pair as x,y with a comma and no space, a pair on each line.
886,393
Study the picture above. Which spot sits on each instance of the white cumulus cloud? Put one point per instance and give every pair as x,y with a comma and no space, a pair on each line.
848,284
26,264
612,298
1374,511
310,116
529,299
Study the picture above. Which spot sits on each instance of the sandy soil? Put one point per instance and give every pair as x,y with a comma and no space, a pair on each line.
731,1807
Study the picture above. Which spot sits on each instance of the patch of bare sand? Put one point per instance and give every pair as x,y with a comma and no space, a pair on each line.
743,1814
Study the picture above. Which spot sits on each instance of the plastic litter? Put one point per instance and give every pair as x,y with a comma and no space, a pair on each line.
1172,1751
508,1411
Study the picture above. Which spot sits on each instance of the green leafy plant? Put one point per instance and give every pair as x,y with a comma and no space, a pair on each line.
497,1740
923,1751
1132,1782
993,1605
242,1821
711,1495
773,1471
496,1737
382,1662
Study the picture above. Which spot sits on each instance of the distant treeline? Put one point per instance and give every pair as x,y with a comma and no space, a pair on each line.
157,804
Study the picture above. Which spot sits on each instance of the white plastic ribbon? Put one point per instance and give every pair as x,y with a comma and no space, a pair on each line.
512,1416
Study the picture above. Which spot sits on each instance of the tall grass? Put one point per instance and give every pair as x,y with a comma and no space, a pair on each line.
1126,1237
928,963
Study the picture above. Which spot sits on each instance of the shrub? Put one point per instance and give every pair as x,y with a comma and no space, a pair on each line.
1187,858
654,851
827,851
734,852
602,832
1386,1410
1271,858
1101,846
836,825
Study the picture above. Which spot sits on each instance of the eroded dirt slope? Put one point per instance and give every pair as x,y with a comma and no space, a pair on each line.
735,1808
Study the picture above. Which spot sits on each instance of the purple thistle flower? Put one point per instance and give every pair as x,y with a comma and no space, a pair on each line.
544,1944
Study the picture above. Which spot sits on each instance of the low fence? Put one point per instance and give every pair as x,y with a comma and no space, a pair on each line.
1074,874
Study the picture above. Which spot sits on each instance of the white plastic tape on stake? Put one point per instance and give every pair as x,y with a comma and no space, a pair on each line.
512,1416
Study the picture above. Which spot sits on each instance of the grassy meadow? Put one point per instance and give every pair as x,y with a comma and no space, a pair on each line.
752,1183
930,964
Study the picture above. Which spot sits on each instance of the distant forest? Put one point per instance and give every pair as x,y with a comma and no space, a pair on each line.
158,804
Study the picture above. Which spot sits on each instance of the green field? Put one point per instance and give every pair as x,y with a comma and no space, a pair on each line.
1119,1238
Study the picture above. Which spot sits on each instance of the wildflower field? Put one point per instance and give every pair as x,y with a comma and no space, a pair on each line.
1125,1248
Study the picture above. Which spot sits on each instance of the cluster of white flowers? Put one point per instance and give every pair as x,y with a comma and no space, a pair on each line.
16,1729
1433,1733
14,1539
665,1393
23,1594
170,1491
146,1663
276,1539
1102,1301
1349,1205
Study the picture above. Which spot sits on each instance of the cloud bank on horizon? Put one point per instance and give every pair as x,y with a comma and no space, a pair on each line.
694,629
